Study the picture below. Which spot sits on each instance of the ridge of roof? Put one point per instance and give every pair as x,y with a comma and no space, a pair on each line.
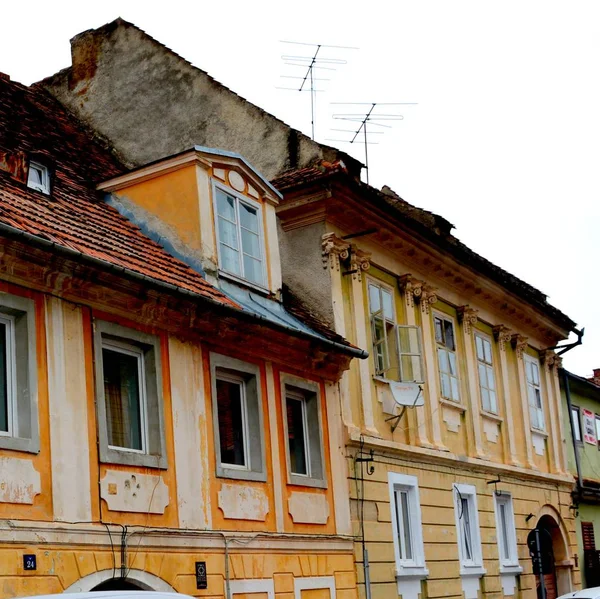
429,224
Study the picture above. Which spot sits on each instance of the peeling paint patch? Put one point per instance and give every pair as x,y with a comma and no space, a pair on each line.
308,508
239,502
141,493
19,481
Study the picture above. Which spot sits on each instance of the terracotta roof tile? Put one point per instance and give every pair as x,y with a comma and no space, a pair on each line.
74,216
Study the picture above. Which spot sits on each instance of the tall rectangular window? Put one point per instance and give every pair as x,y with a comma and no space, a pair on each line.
396,348
446,351
506,533
9,422
303,430
576,415
233,420
129,396
534,393
18,374
467,526
383,327
407,527
124,395
237,419
485,370
239,232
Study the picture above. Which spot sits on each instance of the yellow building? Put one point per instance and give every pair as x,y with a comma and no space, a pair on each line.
455,444
165,422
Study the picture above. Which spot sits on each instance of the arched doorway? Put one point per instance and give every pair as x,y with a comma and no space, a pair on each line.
119,584
555,555
136,580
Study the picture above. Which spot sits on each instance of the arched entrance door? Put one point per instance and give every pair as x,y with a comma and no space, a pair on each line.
555,558
118,584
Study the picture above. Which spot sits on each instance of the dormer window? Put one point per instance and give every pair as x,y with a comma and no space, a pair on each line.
39,177
240,237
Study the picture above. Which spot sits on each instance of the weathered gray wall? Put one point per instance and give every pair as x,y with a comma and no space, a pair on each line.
150,103
302,268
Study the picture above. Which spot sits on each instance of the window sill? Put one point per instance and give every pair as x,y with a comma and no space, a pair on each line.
313,483
19,444
411,572
474,571
539,433
515,569
453,404
492,416
244,283
126,458
234,474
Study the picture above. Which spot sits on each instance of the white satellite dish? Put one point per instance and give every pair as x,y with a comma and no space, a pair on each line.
404,395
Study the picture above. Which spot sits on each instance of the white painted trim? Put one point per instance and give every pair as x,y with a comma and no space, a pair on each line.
472,567
251,586
513,561
241,198
415,567
310,583
148,581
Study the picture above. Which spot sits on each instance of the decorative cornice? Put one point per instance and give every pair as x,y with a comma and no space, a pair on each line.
417,292
360,261
334,249
502,334
428,297
519,342
547,357
468,317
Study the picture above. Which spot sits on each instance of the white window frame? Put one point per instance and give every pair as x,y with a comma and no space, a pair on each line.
395,339
261,235
128,349
576,416
238,380
415,567
11,378
539,411
486,339
510,563
443,316
44,187
474,565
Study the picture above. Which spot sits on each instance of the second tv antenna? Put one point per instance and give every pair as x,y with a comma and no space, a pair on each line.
370,117
309,63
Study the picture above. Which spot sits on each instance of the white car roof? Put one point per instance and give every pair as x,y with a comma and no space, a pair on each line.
591,593
109,594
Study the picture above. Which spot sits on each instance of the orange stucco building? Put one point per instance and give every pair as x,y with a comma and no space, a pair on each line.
167,420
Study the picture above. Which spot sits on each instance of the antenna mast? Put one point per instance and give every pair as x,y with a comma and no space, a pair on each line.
310,63
369,117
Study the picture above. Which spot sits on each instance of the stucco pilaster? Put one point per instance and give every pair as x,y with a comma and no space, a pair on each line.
520,343
502,335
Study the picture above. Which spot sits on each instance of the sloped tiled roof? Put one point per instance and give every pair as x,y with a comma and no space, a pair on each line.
74,216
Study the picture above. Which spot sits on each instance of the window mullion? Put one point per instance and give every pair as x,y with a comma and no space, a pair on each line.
238,231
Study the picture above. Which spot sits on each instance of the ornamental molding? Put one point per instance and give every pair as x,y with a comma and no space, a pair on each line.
418,292
547,357
360,262
503,335
468,317
519,342
557,362
333,250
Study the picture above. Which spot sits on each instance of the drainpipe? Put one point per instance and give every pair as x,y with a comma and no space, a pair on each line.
574,441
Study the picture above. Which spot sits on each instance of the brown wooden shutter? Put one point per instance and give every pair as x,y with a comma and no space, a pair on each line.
587,532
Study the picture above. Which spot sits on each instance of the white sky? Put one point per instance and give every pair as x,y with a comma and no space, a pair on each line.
504,141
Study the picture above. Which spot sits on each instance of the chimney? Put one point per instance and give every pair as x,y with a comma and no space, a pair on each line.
596,377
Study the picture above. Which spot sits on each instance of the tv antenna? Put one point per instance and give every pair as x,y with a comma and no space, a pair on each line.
309,63
367,116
